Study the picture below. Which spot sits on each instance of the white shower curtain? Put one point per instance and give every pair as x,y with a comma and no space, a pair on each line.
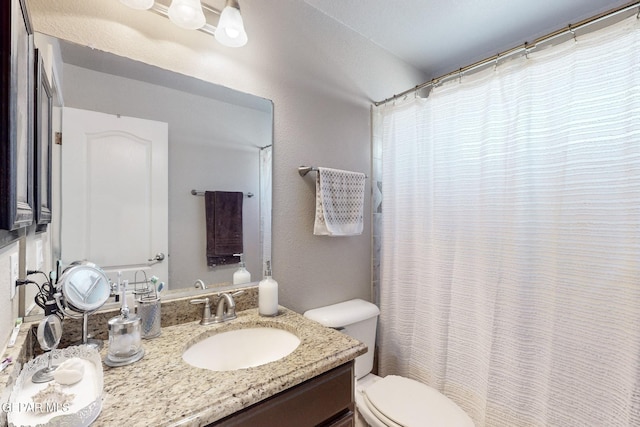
510,257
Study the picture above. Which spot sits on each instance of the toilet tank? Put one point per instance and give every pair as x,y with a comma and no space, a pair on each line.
356,318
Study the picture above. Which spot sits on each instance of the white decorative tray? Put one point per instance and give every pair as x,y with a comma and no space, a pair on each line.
86,402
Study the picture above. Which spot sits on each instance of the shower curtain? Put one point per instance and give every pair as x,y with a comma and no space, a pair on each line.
510,254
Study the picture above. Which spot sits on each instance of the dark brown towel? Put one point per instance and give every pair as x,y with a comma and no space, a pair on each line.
223,210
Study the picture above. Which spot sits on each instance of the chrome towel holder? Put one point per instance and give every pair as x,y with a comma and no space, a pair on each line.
201,193
304,170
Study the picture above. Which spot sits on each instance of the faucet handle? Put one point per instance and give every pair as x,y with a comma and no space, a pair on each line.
206,314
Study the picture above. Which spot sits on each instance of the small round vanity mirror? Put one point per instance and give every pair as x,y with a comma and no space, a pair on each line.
85,287
49,334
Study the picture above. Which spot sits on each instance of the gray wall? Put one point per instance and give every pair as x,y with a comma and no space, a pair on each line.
321,83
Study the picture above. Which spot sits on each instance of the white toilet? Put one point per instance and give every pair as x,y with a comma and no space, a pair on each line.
391,401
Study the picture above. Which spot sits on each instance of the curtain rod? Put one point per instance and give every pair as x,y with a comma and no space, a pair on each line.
525,47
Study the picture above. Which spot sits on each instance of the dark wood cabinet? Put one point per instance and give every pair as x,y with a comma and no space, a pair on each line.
326,400
348,420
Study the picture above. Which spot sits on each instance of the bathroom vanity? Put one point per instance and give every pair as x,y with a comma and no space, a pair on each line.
162,389
311,386
325,400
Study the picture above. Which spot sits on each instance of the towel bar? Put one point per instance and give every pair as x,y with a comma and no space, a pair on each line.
303,170
201,193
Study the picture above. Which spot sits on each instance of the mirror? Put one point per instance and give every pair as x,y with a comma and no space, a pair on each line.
218,140
49,333
84,287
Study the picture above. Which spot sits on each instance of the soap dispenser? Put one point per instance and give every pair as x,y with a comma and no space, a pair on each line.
268,294
241,275
125,335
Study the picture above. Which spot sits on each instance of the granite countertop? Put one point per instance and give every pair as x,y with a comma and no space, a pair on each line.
163,390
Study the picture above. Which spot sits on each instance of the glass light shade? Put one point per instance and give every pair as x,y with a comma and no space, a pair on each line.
230,30
138,4
187,14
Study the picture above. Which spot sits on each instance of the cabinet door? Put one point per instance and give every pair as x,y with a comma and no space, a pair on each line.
321,401
348,420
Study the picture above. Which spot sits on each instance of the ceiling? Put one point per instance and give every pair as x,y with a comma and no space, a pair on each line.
434,37
440,36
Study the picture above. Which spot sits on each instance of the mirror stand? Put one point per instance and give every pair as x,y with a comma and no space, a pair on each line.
49,334
92,342
85,288
45,375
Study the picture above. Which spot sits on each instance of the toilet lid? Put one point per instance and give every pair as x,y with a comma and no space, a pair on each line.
408,403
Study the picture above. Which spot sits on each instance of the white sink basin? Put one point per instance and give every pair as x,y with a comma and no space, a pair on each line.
241,348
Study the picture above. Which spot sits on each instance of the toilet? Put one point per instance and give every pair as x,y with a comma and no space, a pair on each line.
392,401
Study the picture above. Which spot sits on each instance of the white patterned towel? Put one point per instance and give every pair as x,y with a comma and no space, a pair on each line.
339,203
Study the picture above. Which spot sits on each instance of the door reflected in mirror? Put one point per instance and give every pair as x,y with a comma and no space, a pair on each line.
218,139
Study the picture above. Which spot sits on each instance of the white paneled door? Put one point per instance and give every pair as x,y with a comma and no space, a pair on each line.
114,193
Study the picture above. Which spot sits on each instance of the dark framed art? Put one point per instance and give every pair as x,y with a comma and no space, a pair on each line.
16,118
43,143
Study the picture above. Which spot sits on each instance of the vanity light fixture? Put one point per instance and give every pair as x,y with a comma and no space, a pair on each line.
230,31
189,14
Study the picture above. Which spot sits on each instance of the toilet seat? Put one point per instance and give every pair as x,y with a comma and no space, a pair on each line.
402,402
379,416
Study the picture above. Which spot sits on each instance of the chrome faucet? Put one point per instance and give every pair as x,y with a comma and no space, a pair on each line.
225,309
200,283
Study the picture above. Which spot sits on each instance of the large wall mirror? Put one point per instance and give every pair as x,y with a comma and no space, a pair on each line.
218,139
